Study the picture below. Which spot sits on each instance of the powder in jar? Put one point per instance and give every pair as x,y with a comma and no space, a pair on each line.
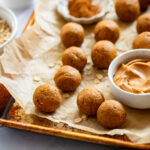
82,8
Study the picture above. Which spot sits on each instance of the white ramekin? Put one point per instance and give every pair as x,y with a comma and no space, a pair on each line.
9,16
62,9
140,101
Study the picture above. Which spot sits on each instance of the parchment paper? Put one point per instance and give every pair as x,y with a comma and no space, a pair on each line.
34,58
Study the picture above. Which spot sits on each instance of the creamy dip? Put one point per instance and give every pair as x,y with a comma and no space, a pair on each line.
134,77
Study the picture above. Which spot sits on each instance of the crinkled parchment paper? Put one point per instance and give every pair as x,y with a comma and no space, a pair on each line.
34,58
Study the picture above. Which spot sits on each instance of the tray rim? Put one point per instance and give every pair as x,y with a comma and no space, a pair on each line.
64,133
71,134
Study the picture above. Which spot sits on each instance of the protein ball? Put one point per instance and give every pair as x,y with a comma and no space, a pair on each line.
143,23
67,78
107,30
75,57
142,41
4,97
72,34
103,53
127,10
111,114
89,100
47,98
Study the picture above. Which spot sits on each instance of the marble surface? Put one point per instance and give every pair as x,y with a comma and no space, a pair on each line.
21,140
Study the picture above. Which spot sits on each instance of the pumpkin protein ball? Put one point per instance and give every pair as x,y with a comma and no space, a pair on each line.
75,57
47,98
67,78
127,10
107,30
89,99
103,53
4,97
72,34
142,41
111,114
143,23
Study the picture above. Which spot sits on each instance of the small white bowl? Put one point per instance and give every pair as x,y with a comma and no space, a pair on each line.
140,101
10,18
62,8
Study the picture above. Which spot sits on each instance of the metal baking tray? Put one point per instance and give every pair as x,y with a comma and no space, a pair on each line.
14,117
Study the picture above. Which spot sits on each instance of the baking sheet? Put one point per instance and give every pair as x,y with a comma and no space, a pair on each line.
30,56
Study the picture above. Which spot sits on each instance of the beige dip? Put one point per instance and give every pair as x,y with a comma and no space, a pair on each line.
134,77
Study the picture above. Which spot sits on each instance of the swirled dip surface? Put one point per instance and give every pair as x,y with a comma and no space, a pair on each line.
134,77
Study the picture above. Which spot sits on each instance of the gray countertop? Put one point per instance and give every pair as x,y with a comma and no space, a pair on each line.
12,139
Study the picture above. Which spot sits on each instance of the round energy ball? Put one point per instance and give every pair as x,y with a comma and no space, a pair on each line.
142,41
89,100
75,57
107,30
67,78
4,97
144,4
111,114
103,53
143,23
47,98
127,10
72,34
